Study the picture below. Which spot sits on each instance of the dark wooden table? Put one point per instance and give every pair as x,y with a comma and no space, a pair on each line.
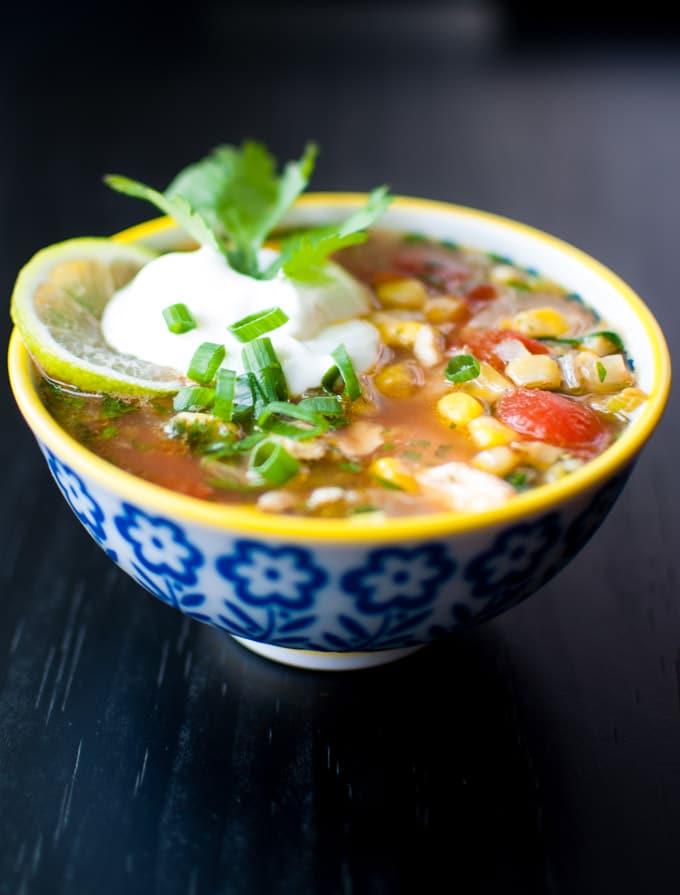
143,753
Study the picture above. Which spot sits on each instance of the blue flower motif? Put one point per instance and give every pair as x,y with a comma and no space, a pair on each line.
507,566
160,545
286,576
396,578
78,497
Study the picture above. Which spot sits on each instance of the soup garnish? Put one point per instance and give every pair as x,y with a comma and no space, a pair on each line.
337,371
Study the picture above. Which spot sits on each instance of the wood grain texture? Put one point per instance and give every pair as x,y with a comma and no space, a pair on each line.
141,752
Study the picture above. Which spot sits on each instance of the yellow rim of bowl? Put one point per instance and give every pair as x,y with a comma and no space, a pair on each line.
357,529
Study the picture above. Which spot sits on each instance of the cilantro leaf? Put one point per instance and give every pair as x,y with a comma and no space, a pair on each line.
240,194
192,221
304,256
233,199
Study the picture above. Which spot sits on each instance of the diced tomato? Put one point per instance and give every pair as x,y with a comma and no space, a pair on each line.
546,416
483,344
484,292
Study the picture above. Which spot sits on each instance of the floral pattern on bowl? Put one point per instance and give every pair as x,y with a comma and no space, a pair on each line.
331,599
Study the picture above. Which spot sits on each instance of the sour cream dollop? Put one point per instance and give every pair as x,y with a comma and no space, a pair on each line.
320,317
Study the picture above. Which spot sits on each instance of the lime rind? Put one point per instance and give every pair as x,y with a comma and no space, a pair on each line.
59,322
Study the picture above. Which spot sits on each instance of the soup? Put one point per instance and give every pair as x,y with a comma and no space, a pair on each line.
488,380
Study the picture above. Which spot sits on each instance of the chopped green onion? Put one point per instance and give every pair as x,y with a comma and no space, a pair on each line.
230,478
272,381
259,354
601,371
245,397
351,467
193,397
272,462
270,419
205,362
250,441
462,368
254,325
614,338
260,359
225,390
225,446
345,369
231,447
518,479
178,318
563,341
329,406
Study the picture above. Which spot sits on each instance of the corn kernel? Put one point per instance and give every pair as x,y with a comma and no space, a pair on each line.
538,453
507,274
602,374
395,473
499,460
547,287
510,349
404,292
489,385
563,468
539,322
399,380
396,332
487,432
459,408
534,371
626,400
445,309
601,345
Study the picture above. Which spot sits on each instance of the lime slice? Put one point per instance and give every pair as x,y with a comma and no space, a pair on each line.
57,304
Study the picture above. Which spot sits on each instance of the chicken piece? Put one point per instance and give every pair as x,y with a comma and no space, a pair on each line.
466,489
331,494
276,501
359,440
309,449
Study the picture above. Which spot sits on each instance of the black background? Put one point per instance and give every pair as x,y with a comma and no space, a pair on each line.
141,752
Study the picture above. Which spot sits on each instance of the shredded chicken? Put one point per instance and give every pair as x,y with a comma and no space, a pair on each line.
320,496
311,449
467,489
360,439
275,501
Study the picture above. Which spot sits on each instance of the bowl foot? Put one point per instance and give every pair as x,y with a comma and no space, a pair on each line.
322,661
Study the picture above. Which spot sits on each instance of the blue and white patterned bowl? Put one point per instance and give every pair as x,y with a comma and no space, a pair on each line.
343,594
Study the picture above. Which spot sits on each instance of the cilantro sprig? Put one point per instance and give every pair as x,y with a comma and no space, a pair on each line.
303,256
233,199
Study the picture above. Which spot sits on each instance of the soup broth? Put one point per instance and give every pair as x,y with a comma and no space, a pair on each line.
490,380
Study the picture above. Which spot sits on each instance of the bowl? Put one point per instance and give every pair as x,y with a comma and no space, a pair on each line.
345,594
